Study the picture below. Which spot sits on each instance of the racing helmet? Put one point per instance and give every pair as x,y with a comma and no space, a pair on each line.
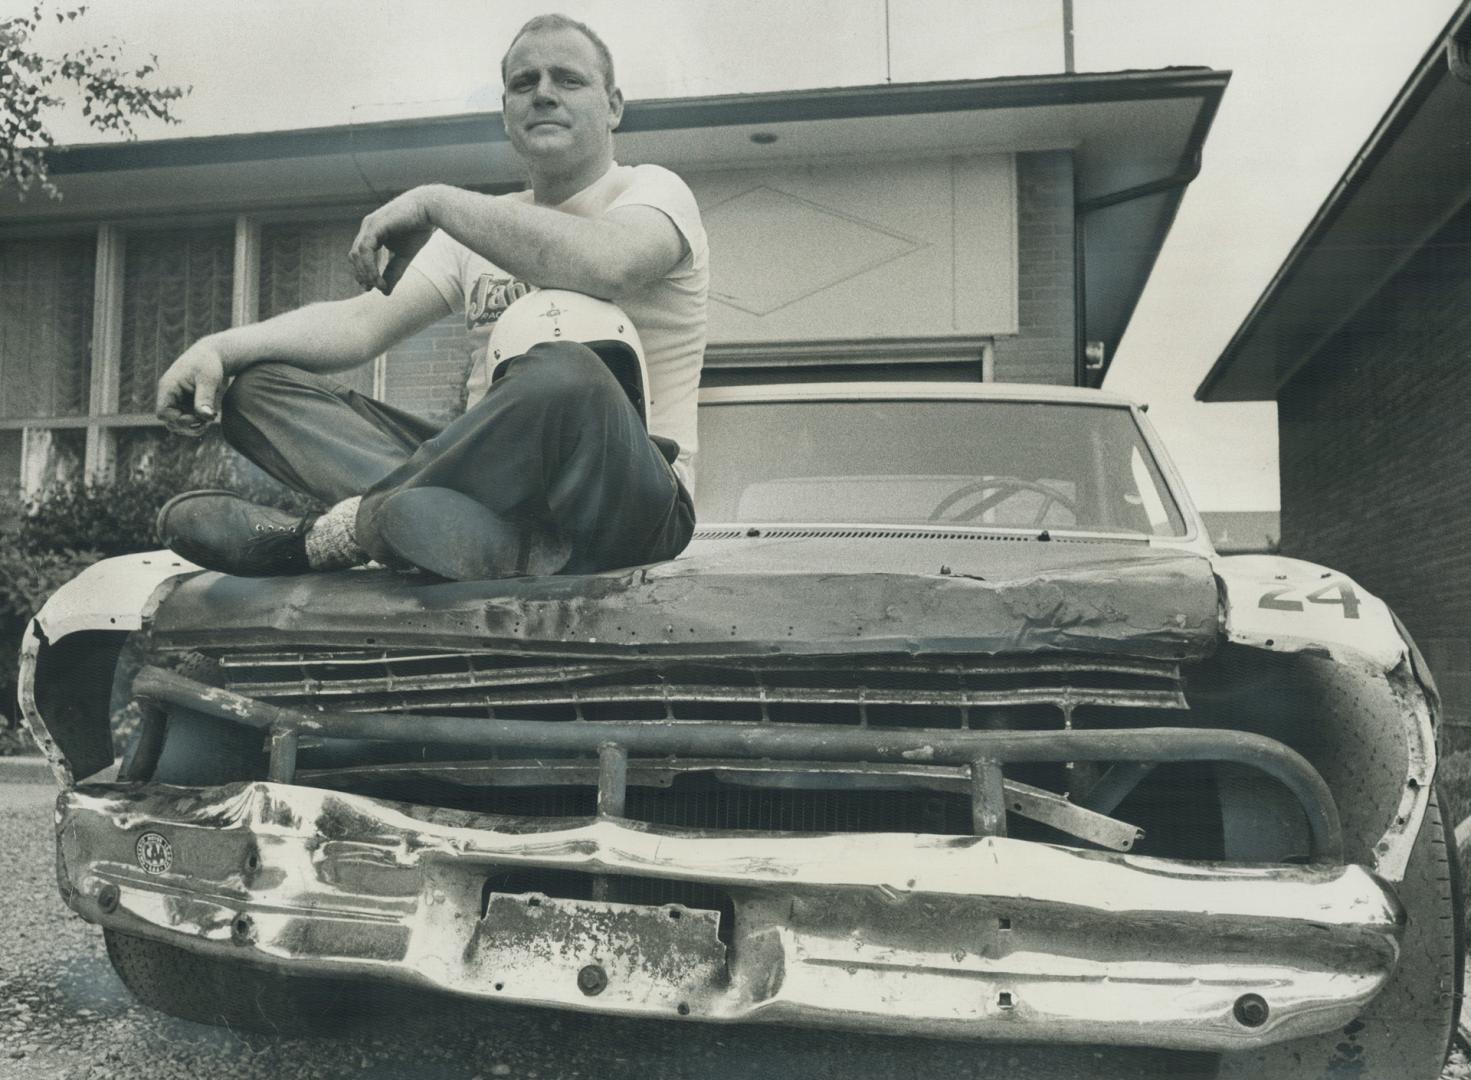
563,315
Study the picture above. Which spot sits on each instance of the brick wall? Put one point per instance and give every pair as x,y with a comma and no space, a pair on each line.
426,373
1376,458
1042,351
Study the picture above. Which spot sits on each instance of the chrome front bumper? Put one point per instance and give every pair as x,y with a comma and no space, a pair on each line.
976,937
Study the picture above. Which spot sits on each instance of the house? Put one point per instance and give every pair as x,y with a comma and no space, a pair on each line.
998,228
1363,338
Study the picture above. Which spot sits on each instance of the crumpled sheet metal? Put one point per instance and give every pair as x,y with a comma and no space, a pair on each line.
1155,605
1408,738
117,594
1286,605
1289,605
30,713
980,937
113,594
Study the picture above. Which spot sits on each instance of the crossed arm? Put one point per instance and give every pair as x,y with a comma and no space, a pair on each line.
623,250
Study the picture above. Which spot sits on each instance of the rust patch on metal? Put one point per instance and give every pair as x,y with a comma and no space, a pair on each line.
342,938
665,944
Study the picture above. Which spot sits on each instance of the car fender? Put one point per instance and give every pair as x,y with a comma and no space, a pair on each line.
116,594
108,595
1288,605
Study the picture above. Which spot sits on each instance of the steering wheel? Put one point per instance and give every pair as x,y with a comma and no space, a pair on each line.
1003,487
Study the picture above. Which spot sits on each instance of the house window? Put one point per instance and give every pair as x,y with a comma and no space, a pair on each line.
87,325
46,287
176,289
89,321
45,327
304,263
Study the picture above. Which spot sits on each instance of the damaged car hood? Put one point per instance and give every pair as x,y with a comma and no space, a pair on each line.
734,594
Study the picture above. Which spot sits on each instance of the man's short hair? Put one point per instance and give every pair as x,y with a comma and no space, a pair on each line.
563,22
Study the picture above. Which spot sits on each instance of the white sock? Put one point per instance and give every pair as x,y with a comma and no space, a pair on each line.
331,543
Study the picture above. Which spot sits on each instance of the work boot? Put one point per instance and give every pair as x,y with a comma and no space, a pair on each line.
221,531
452,536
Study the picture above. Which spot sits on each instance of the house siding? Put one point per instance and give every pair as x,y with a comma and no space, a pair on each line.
1375,458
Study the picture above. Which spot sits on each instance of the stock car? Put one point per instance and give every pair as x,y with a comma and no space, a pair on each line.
949,722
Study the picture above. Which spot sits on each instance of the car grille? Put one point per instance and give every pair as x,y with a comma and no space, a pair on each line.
879,691
943,692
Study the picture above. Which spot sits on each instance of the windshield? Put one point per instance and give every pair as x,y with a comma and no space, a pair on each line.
996,464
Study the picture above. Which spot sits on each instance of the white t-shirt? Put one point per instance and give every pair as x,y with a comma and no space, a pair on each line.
669,314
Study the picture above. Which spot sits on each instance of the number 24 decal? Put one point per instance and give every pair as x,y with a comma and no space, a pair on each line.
1341,593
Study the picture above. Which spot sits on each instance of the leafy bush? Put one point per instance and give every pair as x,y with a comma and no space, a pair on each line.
27,578
111,519
117,517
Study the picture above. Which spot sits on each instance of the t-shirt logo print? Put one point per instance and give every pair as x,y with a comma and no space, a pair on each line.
489,296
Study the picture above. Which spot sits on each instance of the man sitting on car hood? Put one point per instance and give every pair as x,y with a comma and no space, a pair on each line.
552,469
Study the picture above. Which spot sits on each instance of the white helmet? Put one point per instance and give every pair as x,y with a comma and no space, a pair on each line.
563,315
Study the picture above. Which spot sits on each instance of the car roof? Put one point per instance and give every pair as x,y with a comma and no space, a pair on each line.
912,391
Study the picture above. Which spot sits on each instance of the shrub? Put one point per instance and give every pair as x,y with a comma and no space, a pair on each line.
111,519
117,517
27,578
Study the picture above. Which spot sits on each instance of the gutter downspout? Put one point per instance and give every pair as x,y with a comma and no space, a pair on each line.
1080,293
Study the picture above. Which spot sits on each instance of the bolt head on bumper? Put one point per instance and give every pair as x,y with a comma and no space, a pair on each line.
978,937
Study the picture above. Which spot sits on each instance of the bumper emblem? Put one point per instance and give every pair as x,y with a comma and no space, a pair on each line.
155,853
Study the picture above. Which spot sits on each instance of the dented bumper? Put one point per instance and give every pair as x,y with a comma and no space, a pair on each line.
980,937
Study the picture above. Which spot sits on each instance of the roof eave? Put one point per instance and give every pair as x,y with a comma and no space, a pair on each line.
1247,369
659,114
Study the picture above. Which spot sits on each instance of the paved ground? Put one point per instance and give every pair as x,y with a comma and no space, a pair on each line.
64,1014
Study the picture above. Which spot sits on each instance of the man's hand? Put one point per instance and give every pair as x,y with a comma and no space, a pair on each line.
399,228
189,391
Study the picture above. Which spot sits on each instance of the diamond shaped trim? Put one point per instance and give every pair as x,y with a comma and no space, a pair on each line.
776,249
